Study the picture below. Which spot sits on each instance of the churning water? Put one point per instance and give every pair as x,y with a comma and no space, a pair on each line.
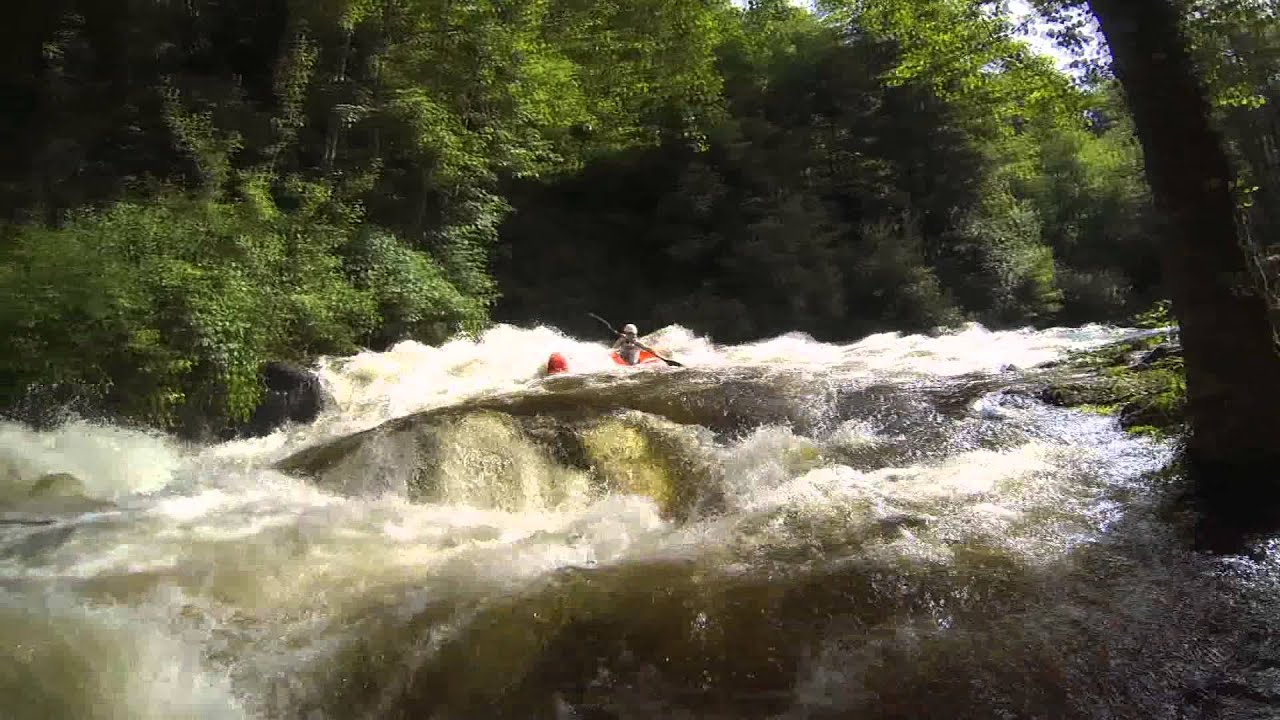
788,529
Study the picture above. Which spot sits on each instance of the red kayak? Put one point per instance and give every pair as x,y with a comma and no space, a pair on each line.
645,357
557,363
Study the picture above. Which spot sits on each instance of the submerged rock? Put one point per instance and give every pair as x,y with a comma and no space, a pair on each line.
57,485
513,462
659,436
656,435
52,495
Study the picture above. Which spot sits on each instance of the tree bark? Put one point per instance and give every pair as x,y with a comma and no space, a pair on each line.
1232,362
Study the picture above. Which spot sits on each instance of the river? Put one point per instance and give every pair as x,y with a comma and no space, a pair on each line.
786,529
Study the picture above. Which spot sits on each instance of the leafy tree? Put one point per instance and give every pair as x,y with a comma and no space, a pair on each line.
309,177
844,135
165,311
1231,359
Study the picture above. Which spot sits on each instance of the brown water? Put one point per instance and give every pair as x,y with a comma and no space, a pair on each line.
783,530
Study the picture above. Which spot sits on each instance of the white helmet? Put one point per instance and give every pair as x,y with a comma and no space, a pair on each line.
629,329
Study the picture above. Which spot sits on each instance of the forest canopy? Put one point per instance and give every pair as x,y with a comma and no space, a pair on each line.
188,190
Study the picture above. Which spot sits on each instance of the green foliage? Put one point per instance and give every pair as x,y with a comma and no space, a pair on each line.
213,184
197,187
1096,214
881,165
1236,47
410,290
1009,272
1149,396
1158,315
166,311
891,280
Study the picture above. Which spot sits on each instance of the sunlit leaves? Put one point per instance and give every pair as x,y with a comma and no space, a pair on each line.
964,50
174,306
354,158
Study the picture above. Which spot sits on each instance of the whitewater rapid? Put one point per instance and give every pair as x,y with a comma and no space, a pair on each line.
373,387
202,582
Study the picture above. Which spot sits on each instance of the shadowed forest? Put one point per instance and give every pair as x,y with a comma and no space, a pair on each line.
191,189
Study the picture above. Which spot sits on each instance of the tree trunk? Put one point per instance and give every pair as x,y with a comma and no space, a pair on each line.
1232,362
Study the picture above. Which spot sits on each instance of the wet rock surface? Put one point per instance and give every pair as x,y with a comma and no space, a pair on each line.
292,395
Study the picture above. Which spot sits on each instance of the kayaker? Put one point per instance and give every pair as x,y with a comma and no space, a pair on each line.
626,346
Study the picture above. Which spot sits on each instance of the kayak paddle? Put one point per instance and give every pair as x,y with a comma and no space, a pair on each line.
639,344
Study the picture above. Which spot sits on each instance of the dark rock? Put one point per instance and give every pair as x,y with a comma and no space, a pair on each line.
47,406
1150,357
1145,413
293,395
1077,389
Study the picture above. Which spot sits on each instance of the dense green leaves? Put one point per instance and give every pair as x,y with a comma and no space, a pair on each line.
1236,48
171,307
199,187
883,165
194,188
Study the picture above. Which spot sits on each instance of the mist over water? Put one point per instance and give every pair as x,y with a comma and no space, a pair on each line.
781,529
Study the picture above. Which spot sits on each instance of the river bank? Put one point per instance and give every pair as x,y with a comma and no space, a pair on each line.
1139,381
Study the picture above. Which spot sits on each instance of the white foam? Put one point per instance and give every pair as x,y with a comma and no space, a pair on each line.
106,662
969,349
109,461
231,539
373,387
